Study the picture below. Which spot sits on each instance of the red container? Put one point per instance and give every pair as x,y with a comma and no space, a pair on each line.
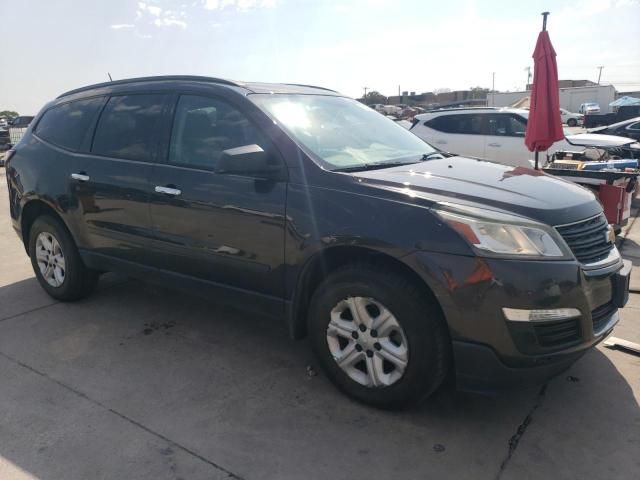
616,202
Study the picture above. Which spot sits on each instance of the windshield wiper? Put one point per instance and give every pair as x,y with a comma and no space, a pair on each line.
432,155
371,166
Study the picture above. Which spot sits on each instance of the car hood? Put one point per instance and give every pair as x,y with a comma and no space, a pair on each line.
596,139
519,190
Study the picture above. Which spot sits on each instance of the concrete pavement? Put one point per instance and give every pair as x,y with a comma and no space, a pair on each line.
147,383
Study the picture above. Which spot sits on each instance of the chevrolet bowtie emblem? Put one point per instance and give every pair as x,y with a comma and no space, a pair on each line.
610,235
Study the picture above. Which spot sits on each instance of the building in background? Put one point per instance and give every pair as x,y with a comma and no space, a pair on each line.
570,97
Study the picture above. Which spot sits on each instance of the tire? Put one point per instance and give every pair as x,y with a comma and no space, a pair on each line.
572,122
67,279
421,330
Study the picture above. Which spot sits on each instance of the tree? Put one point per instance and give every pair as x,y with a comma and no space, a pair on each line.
374,97
8,114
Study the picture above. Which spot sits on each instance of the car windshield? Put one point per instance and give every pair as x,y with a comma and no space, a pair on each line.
343,133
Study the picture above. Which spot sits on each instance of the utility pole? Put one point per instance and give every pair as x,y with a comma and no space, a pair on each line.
600,72
528,70
365,94
493,89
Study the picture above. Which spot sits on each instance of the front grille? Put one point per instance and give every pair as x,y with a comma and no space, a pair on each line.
588,239
601,315
555,334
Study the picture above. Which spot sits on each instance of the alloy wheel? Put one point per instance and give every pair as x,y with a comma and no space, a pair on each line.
50,259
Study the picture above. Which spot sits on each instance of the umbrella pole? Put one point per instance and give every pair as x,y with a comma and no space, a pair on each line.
544,29
544,21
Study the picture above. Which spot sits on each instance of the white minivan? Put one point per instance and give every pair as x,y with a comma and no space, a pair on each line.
495,134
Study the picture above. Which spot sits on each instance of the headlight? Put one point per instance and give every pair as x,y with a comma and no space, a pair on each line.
500,234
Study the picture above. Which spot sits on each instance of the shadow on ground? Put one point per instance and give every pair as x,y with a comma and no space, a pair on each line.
142,382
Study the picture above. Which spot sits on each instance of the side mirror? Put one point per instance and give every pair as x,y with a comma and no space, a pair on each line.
251,161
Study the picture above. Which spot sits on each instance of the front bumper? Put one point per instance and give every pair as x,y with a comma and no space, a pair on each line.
492,353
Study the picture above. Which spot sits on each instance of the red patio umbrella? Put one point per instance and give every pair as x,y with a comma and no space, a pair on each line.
544,126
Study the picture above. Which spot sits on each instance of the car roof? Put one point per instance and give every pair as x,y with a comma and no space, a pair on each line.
244,87
469,110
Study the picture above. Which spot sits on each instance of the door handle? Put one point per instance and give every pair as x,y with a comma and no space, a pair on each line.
81,177
168,191
495,144
441,142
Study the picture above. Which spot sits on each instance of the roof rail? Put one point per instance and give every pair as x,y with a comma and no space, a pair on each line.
453,109
195,78
310,86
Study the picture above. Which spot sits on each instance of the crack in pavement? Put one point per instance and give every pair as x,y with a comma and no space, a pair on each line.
516,437
84,396
42,307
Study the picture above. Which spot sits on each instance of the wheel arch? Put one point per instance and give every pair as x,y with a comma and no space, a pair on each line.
33,209
324,262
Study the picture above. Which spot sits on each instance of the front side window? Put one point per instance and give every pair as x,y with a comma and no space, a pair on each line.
634,126
505,125
128,127
68,125
342,133
205,127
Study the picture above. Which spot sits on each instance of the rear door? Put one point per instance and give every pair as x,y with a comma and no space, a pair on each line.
458,133
505,139
222,228
111,182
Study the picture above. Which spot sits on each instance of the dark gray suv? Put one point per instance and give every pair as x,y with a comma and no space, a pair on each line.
402,263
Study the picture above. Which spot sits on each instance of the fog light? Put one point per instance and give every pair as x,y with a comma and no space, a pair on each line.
548,315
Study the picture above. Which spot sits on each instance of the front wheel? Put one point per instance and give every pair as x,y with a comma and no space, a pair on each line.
572,122
57,263
379,338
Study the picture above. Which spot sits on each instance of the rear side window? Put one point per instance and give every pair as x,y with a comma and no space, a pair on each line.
68,125
128,127
464,124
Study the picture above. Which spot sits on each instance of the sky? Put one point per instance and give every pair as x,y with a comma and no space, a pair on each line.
51,46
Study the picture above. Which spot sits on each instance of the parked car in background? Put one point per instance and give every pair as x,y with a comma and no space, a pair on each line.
408,112
571,119
21,121
589,108
3,122
4,139
401,263
404,123
378,107
627,128
17,128
392,110
495,134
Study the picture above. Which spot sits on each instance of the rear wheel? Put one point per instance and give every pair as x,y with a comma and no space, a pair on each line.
572,122
379,338
57,263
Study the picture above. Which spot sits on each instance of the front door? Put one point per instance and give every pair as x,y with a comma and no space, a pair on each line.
222,228
111,183
505,140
